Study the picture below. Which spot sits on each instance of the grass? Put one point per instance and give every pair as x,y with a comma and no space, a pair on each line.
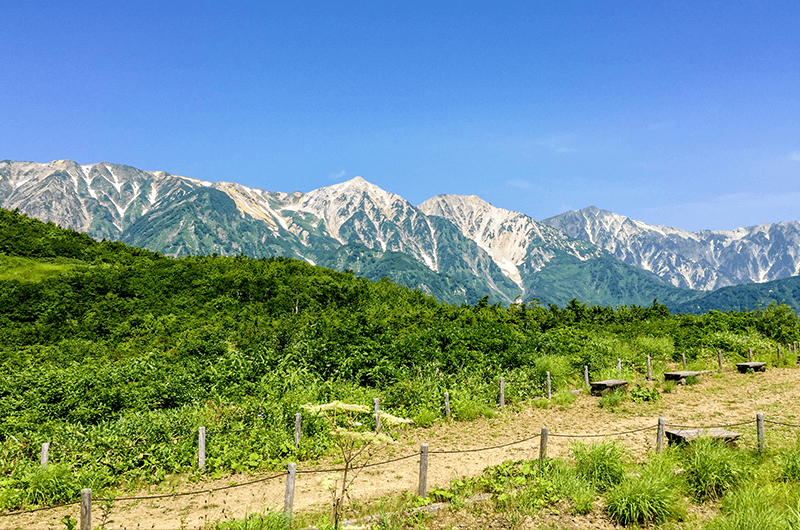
712,468
28,270
258,521
649,498
600,464
613,400
756,506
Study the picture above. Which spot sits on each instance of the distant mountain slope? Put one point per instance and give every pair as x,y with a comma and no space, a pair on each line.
741,297
706,260
513,239
457,248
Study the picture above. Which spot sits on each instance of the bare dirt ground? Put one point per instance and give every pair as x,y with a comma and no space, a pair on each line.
718,399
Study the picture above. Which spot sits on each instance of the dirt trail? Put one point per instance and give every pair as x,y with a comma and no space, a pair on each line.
718,399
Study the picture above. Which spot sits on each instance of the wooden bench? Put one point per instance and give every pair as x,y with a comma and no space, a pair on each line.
607,386
677,376
688,435
752,365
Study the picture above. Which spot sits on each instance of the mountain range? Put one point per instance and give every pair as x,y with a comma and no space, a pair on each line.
458,248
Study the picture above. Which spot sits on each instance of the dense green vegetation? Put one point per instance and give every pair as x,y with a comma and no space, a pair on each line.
122,355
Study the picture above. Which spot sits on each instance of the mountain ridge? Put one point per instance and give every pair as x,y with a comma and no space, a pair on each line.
481,248
704,260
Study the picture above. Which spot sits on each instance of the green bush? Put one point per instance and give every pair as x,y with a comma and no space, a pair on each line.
33,484
646,499
425,418
564,397
466,409
659,348
601,464
712,468
640,394
612,400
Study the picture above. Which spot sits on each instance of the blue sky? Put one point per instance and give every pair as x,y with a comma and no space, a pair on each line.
678,113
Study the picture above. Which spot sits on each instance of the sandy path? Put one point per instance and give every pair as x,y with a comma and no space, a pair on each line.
718,399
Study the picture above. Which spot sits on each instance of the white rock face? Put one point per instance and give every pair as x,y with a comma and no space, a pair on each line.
100,199
705,260
510,238
357,211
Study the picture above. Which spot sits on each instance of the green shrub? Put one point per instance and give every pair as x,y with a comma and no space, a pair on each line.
425,418
612,400
540,403
466,409
712,468
737,343
659,348
34,484
601,464
646,499
641,394
564,397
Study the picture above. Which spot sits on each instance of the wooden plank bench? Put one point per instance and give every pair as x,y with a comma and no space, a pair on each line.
600,388
677,376
688,435
752,365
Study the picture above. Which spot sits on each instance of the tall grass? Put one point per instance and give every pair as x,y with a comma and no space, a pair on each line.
646,499
650,497
756,507
712,468
600,464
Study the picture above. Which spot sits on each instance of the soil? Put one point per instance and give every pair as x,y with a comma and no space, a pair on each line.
718,399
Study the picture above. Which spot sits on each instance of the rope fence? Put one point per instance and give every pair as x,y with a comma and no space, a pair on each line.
423,454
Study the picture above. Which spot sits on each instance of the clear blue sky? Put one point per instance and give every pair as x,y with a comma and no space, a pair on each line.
677,113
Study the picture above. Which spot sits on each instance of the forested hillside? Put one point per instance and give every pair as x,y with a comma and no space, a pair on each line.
118,354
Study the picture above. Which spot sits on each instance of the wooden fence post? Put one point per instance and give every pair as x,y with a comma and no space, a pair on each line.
45,456
288,499
683,358
760,431
586,375
298,427
447,405
543,444
423,470
201,447
549,387
649,369
502,392
619,367
719,359
86,509
662,422
377,403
